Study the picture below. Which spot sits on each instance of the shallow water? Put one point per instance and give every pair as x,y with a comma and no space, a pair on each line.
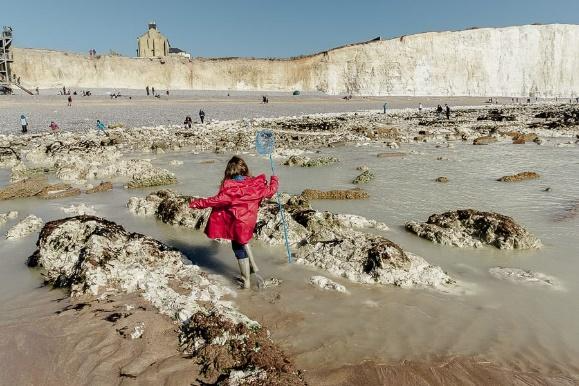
517,325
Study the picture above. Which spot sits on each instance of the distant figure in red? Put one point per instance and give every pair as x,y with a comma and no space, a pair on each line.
234,212
54,127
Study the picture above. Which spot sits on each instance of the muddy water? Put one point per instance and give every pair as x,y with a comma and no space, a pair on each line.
513,325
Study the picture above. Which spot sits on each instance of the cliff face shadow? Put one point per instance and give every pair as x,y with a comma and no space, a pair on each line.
205,257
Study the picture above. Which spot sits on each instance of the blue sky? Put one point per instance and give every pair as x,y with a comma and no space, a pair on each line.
258,27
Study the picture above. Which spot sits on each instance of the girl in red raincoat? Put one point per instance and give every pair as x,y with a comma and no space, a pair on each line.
234,212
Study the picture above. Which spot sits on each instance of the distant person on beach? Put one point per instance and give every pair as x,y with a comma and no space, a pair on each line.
447,109
100,126
188,121
153,90
420,107
69,101
24,123
37,91
54,127
439,110
147,90
234,213
385,107
202,115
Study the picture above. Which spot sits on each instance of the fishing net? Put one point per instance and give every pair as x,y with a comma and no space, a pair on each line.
264,142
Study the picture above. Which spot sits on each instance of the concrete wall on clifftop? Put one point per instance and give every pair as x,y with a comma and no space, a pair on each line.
541,60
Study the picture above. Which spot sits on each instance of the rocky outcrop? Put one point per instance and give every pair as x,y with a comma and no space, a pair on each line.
523,176
307,162
158,177
25,227
102,187
25,188
486,140
472,228
348,194
521,276
58,191
8,156
93,256
364,178
496,116
442,179
328,241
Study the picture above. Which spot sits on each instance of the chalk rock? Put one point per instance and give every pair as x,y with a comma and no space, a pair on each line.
79,209
524,176
25,227
521,276
9,156
364,177
176,163
327,284
91,255
472,228
4,217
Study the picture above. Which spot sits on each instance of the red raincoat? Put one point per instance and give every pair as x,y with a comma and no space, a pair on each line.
234,213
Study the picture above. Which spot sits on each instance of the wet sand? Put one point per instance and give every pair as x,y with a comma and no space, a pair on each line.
78,343
172,110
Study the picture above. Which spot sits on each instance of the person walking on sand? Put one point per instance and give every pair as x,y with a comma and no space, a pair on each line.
24,124
54,127
447,109
385,107
147,90
188,121
420,107
69,101
202,115
234,213
439,110
100,126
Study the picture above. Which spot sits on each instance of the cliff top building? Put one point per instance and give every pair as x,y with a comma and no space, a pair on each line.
152,44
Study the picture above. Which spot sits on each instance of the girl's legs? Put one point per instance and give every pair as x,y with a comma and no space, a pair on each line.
243,261
253,265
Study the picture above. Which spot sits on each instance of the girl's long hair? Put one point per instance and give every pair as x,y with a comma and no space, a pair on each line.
235,167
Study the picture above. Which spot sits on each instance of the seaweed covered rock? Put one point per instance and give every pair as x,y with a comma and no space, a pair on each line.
235,353
348,194
329,241
91,255
523,176
307,162
472,228
363,178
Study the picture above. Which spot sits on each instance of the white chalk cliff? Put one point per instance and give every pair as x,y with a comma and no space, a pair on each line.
531,60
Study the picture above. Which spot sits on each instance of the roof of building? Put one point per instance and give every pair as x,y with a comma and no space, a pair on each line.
175,50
